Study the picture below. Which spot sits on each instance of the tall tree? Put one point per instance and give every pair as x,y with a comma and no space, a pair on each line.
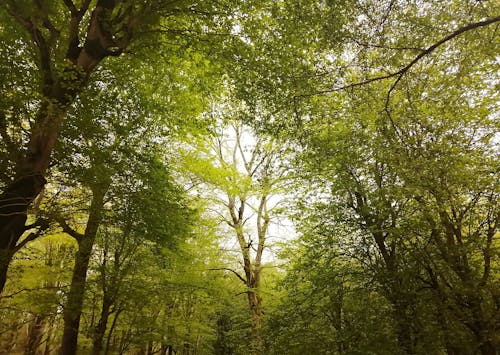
64,61
62,44
247,174
103,150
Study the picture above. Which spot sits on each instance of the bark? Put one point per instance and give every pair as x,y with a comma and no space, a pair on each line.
34,335
14,203
255,304
167,350
58,93
74,303
111,331
101,326
404,330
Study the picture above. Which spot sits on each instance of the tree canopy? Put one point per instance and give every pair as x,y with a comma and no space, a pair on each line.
249,177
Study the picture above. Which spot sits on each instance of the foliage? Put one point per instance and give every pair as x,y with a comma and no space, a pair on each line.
161,148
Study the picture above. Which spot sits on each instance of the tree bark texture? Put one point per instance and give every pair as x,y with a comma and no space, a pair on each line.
255,304
74,303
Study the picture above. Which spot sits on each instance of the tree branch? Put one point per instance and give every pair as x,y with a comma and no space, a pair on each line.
400,73
233,271
68,230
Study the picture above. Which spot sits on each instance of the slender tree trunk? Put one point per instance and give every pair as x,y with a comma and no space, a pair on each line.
50,329
74,303
34,335
12,340
149,348
101,326
111,330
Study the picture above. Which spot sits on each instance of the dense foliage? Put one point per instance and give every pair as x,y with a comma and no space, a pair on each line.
249,177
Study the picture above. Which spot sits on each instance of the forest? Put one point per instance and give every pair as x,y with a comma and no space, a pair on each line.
249,177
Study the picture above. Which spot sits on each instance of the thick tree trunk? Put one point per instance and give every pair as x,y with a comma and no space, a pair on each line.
403,320
14,203
30,171
404,335
74,303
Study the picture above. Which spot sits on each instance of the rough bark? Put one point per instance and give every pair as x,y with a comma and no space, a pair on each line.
74,303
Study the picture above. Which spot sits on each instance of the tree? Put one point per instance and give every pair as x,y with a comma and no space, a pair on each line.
62,44
378,160
327,302
29,326
62,76
385,111
247,174
103,152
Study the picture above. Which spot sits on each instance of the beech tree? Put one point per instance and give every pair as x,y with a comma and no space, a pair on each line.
247,175
154,144
61,45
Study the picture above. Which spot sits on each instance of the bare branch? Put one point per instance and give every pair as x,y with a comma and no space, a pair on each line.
32,236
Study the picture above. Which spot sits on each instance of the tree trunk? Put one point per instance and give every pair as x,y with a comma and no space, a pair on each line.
48,341
34,335
100,329
59,93
111,330
14,203
255,303
74,303
402,318
483,334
